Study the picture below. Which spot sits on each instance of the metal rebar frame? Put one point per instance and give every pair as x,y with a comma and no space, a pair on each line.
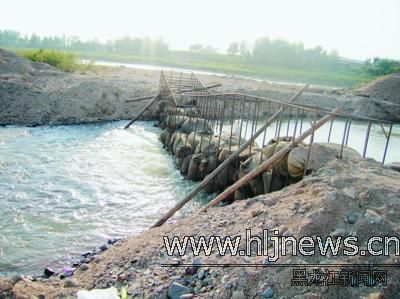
236,115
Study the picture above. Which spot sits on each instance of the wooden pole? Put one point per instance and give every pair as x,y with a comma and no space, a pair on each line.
199,88
141,112
268,163
223,165
140,99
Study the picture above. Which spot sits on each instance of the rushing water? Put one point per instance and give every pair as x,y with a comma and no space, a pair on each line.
66,189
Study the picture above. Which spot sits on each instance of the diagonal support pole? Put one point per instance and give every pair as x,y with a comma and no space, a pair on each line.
271,161
142,111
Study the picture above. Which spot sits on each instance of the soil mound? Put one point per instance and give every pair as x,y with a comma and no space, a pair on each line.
34,93
12,65
386,88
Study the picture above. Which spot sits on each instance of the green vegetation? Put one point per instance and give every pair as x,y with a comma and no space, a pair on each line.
267,59
381,67
61,60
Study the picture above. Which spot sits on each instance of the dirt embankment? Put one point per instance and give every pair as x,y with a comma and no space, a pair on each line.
349,197
379,99
38,94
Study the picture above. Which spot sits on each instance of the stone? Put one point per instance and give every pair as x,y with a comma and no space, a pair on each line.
238,294
247,259
352,218
84,267
87,254
49,272
330,196
350,192
110,293
338,232
190,270
186,296
225,278
255,213
197,262
112,241
103,247
201,274
372,217
85,260
268,293
70,283
176,290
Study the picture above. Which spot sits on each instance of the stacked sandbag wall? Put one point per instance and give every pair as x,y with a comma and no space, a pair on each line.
198,151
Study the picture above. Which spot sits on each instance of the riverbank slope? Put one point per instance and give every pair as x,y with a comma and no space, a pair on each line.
349,197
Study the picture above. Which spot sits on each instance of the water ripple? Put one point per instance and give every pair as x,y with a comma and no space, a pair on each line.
66,189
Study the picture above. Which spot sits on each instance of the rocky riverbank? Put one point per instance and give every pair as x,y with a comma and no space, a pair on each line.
38,94
349,197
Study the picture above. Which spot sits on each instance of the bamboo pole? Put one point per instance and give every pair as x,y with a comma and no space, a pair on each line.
268,163
141,112
223,165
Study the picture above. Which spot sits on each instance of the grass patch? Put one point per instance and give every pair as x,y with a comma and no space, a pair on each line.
232,65
65,61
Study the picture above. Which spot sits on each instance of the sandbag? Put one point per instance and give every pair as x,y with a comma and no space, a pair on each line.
183,151
196,125
274,146
320,154
180,140
163,136
193,171
207,165
174,121
162,106
185,164
256,184
226,177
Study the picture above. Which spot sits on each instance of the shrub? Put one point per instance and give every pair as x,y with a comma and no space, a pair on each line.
62,60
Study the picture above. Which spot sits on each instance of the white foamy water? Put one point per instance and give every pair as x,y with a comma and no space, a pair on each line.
67,189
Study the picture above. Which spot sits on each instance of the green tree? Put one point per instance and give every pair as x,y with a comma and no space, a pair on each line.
233,48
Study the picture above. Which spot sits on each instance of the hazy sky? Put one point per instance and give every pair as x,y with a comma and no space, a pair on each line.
356,28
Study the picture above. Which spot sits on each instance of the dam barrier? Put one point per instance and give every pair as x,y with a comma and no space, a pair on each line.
219,138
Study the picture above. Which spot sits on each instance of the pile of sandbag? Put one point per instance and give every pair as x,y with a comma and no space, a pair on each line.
198,152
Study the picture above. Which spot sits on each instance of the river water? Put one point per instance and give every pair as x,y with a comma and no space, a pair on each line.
67,189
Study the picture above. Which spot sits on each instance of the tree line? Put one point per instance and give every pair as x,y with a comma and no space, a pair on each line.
126,45
265,51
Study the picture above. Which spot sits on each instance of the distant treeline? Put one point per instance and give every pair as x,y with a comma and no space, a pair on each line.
125,45
264,52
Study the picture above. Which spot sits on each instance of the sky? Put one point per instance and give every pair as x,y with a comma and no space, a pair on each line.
357,29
